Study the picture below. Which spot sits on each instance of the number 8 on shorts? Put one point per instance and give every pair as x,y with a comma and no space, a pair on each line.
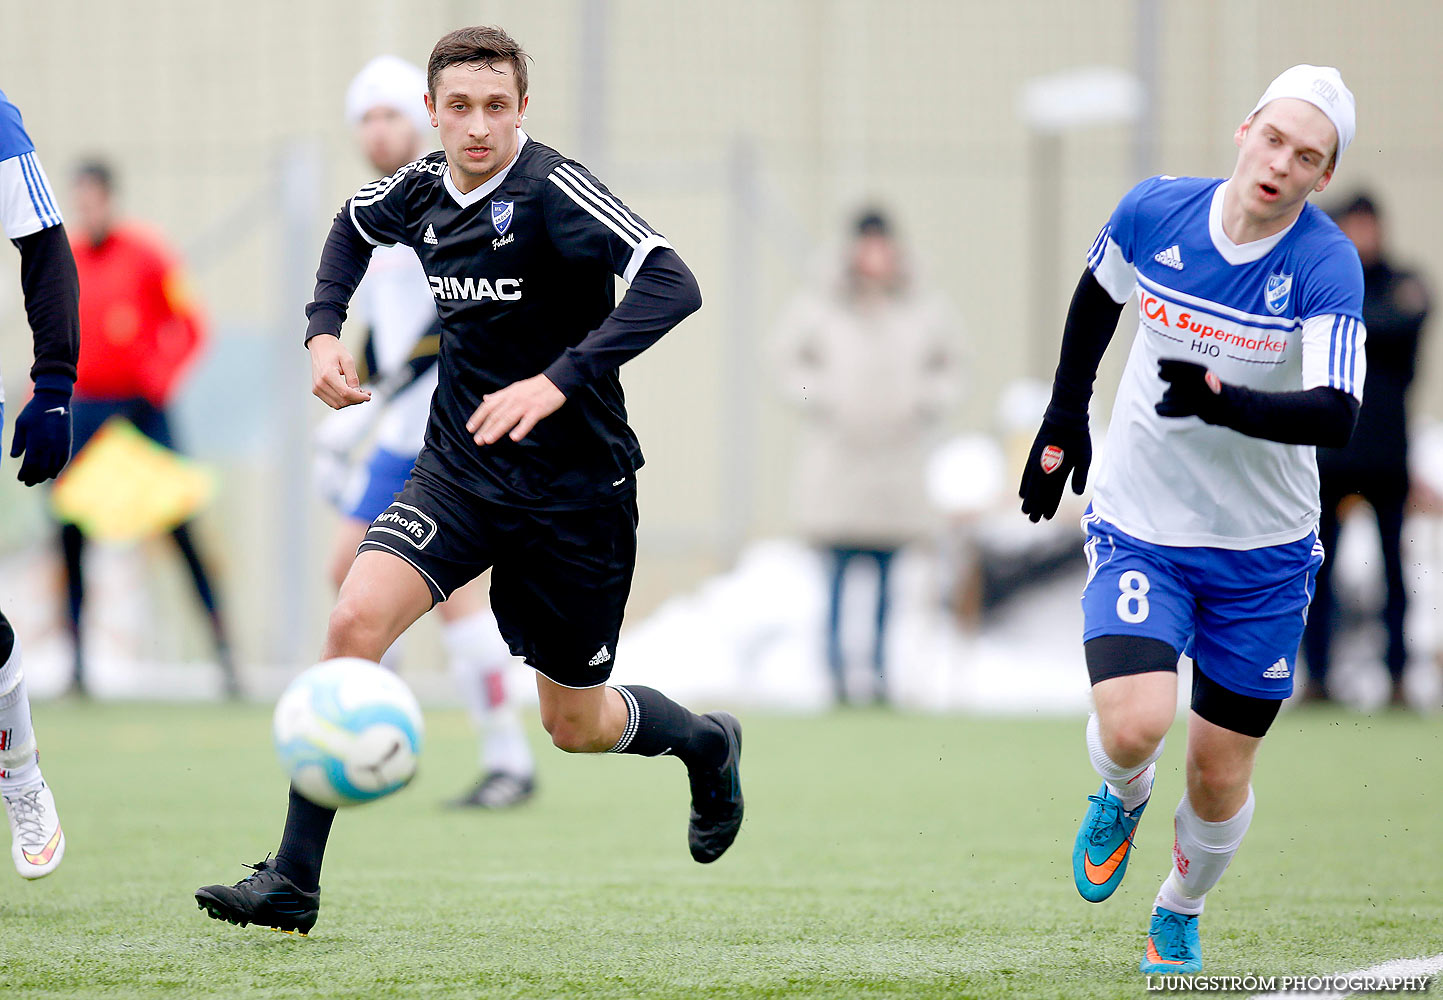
1133,588
1132,602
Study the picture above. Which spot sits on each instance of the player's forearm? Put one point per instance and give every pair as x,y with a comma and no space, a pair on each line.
1322,416
663,294
1091,320
344,259
52,301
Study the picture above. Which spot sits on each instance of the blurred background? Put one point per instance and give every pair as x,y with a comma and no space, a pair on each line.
995,138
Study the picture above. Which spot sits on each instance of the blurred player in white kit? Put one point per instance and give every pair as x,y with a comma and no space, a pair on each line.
385,103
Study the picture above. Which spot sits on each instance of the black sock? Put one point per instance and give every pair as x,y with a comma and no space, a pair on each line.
304,842
198,575
658,725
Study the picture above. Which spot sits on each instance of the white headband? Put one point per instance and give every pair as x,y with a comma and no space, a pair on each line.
1324,89
389,82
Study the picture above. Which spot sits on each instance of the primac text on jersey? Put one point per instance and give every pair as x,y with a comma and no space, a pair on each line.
476,289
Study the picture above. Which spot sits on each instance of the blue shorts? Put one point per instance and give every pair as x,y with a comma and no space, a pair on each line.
386,473
1238,613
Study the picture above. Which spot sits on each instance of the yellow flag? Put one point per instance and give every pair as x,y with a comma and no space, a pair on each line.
123,486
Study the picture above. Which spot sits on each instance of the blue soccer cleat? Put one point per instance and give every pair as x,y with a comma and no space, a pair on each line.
1173,945
1104,842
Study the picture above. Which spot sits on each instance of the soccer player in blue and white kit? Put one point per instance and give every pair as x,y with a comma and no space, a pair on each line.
1202,534
30,218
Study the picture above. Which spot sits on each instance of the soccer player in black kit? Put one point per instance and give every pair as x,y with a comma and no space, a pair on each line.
529,465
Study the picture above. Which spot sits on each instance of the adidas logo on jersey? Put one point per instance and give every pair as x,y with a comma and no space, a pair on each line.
430,236
1171,257
1278,671
602,656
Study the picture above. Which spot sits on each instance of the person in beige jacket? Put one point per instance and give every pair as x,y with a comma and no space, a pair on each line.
872,359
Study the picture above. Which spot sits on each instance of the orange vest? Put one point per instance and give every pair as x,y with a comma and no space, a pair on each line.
139,328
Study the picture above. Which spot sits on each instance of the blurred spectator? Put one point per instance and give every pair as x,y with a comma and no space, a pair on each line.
139,330
1374,465
871,357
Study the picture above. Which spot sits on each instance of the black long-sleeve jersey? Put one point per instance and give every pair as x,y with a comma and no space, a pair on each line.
524,272
51,288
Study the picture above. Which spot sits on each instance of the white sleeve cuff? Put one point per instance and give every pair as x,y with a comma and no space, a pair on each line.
27,205
1113,272
1333,353
639,255
351,211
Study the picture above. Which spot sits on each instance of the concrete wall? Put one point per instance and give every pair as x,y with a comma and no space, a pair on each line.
912,103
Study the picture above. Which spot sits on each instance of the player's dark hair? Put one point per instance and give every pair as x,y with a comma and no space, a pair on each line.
482,44
97,172
872,222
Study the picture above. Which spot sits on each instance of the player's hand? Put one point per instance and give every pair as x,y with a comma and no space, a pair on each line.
333,373
1192,391
1062,447
514,410
42,431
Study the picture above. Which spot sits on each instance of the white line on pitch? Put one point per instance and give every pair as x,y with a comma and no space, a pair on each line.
1398,967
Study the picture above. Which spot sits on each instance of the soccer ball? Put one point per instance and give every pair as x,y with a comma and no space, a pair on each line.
348,731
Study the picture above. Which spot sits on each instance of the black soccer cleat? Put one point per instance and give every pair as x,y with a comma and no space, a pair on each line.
266,898
497,790
716,797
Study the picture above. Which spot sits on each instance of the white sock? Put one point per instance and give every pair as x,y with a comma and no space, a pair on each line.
395,652
479,658
1201,852
1130,784
19,760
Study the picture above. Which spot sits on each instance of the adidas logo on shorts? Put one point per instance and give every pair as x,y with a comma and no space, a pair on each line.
1171,257
1278,670
602,656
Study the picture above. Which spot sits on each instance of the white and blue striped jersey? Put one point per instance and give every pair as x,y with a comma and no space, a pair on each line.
395,300
27,205
1279,314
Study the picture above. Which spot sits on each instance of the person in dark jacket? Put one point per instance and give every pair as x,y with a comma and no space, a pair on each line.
1374,465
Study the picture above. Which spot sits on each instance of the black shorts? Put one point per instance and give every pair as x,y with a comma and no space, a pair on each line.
559,579
87,416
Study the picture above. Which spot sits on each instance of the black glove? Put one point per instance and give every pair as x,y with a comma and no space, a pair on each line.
42,431
1192,391
1062,446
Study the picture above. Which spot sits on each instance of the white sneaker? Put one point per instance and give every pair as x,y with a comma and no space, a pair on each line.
36,841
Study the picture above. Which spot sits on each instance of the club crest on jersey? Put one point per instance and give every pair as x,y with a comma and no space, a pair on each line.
1275,293
1051,458
502,212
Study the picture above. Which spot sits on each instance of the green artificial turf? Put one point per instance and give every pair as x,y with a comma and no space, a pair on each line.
884,855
